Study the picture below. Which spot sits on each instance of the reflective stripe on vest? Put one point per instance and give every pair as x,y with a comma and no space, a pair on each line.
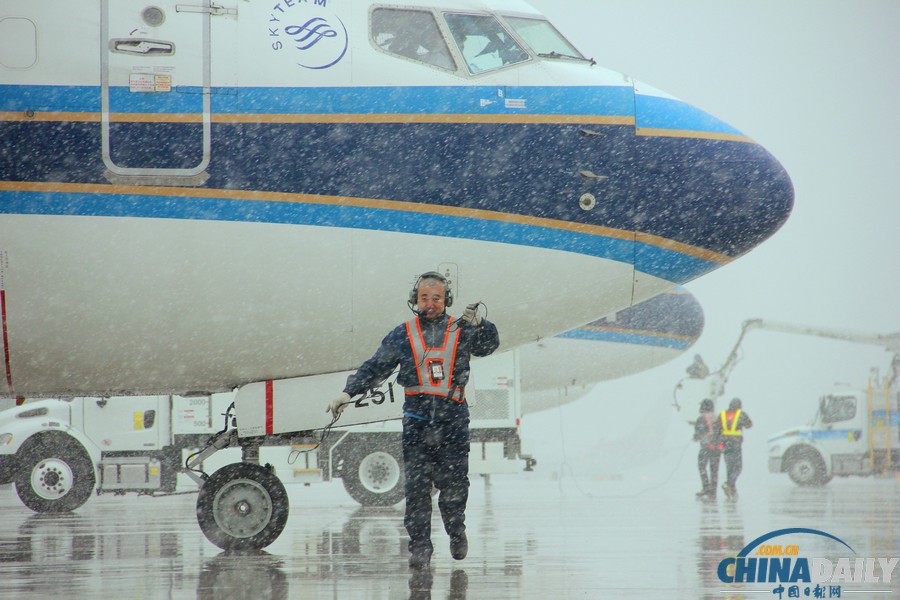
434,366
733,418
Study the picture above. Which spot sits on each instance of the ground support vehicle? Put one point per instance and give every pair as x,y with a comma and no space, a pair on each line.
58,452
855,432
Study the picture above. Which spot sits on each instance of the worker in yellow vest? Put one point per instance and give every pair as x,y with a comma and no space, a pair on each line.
734,421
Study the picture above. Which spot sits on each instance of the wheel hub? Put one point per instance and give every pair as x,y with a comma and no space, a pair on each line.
52,479
379,472
242,508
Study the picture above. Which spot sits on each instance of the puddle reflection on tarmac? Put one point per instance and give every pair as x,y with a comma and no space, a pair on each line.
530,537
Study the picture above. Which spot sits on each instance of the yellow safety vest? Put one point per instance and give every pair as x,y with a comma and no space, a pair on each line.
434,366
731,417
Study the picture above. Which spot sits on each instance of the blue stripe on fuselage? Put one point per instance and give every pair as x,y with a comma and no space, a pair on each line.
616,101
626,337
667,113
668,264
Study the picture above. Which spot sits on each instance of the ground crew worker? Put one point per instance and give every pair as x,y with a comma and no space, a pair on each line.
707,432
733,421
433,351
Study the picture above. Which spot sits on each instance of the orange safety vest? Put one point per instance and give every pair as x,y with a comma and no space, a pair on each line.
709,437
434,366
730,422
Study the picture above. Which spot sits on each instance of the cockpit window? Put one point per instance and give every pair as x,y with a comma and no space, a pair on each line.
543,37
412,34
483,42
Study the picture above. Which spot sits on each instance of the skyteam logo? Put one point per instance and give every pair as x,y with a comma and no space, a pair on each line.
762,561
314,36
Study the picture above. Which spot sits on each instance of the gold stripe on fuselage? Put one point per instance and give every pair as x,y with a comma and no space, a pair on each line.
692,134
224,118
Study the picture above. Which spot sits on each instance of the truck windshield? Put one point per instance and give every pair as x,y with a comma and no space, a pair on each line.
838,408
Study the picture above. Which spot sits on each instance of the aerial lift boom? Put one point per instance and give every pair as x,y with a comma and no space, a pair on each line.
701,383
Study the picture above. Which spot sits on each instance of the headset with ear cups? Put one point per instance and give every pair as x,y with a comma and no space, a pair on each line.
448,293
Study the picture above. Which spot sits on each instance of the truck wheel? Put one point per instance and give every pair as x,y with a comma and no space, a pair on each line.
242,506
374,476
55,475
807,468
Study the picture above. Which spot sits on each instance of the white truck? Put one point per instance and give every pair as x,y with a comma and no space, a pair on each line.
58,452
856,431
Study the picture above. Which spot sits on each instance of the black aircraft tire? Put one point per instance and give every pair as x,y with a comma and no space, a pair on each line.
55,474
242,506
374,476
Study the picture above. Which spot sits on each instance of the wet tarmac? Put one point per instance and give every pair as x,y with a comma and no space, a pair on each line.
531,536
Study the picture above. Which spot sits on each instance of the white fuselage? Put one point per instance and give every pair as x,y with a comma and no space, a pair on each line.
189,205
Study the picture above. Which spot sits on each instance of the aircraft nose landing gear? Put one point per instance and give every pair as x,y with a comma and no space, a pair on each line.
242,506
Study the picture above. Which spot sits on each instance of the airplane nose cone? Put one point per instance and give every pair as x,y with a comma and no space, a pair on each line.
706,185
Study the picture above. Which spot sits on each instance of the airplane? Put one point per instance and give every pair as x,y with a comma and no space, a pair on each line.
565,367
247,215
201,197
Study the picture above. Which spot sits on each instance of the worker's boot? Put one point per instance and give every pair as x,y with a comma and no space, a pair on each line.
420,554
420,559
459,546
730,491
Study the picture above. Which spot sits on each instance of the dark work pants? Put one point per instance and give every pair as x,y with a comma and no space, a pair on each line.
708,463
435,453
734,463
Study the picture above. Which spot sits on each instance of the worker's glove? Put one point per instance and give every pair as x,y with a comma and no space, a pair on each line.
470,315
338,405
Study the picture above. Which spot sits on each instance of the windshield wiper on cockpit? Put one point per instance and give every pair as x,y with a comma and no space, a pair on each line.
555,54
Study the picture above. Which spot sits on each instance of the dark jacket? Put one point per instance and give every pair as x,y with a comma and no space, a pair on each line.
395,349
